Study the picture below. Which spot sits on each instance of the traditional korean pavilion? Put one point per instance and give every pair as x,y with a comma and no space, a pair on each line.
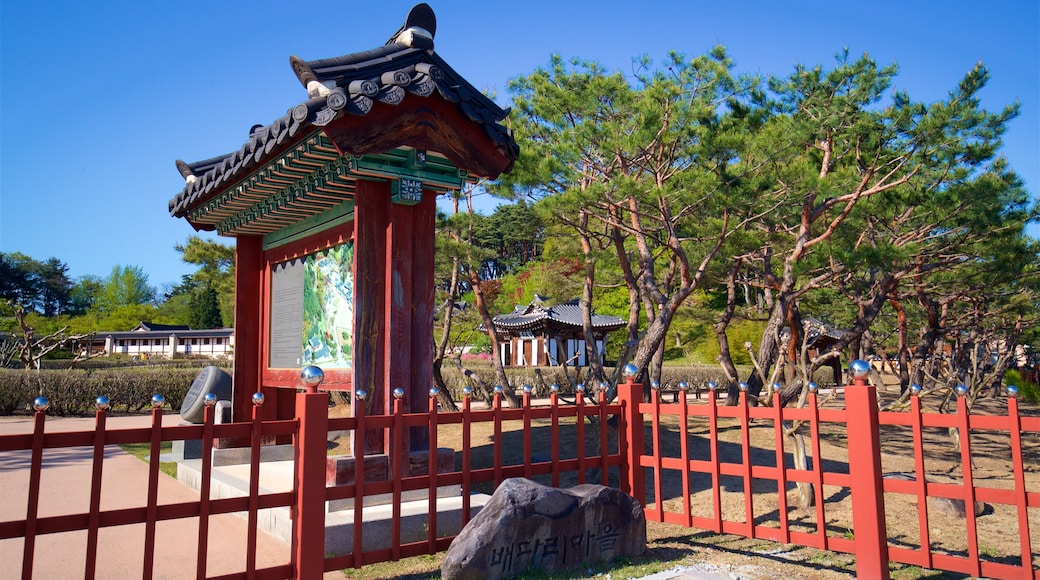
332,207
535,335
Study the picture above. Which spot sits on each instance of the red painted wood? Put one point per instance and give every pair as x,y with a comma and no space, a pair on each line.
655,430
249,313
397,466
90,562
554,437
153,494
33,503
629,394
868,499
967,478
205,484
432,473
359,483
817,468
497,405
467,462
922,492
604,449
684,454
308,510
579,400
745,466
526,405
716,476
371,222
781,480
254,492
1018,465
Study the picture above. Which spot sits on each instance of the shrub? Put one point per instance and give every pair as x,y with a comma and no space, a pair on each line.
73,391
1027,390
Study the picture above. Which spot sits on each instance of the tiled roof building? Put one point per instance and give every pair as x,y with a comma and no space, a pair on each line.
399,108
534,335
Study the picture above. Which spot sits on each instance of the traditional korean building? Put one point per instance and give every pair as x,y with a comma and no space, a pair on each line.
535,336
333,205
149,340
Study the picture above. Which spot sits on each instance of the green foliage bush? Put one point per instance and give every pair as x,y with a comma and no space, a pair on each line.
1027,390
73,391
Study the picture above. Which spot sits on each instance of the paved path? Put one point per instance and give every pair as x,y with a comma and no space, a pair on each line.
65,489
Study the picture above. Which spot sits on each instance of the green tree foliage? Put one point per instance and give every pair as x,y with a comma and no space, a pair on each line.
42,287
216,263
126,286
204,311
639,171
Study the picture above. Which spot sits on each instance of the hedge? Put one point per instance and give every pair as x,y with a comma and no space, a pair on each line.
74,391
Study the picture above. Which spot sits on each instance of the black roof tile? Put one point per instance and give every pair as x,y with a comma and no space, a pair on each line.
352,83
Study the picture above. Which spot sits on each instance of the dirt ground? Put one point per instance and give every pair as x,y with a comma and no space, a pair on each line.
997,525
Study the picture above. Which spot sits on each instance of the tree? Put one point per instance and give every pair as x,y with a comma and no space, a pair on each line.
216,263
204,311
125,286
43,287
639,169
829,150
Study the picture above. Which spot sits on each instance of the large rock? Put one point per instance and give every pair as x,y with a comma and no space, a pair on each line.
528,526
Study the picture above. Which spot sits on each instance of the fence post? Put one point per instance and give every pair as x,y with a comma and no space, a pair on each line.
311,447
630,394
868,497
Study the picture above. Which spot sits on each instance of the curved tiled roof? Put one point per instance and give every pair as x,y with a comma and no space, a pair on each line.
405,68
568,314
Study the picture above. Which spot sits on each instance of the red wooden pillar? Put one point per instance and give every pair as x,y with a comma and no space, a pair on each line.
630,394
868,498
393,296
371,224
419,313
308,509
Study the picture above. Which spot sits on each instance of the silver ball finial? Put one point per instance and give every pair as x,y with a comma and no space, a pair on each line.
258,399
915,389
434,391
41,404
101,403
684,386
1012,391
777,386
961,390
813,387
603,385
743,386
311,376
398,393
361,394
209,399
467,392
712,385
498,389
528,389
630,370
554,388
859,368
655,385
580,388
158,400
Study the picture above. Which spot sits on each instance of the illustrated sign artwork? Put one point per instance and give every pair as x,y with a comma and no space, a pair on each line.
312,310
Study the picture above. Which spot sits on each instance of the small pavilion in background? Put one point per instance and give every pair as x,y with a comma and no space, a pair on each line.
535,335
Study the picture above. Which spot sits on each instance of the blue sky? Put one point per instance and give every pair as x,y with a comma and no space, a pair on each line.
97,99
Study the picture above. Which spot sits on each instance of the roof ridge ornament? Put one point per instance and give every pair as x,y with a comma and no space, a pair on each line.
419,28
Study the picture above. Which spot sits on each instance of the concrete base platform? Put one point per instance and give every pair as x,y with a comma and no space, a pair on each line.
277,476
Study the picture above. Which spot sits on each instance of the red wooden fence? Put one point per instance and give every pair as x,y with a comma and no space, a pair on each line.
863,478
628,464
